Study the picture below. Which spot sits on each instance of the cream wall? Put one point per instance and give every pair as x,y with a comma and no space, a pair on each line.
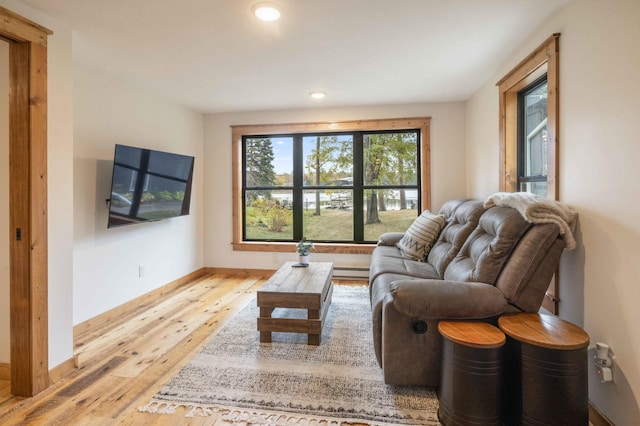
599,176
105,272
447,171
4,203
60,196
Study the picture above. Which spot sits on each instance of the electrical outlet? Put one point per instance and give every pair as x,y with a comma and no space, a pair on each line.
140,271
604,361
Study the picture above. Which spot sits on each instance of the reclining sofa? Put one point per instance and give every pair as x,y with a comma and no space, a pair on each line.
484,263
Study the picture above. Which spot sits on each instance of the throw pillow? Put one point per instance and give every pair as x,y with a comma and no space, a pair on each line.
421,235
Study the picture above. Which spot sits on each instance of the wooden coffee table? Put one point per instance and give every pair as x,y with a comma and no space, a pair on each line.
292,287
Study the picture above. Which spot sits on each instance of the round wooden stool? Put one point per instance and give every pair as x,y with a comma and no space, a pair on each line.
546,367
470,384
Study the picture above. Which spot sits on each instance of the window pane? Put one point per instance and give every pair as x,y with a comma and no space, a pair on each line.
532,139
268,162
328,215
390,158
389,210
535,127
328,160
539,188
268,215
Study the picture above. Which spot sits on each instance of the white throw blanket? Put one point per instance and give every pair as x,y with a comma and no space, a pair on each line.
535,209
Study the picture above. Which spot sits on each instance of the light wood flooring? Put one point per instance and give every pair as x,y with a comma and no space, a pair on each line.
123,363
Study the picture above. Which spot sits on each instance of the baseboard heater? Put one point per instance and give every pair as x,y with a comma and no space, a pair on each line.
350,273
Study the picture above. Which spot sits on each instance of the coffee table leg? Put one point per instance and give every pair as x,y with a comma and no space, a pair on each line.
265,336
313,339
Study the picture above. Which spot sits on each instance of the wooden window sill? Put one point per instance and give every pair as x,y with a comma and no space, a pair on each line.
338,248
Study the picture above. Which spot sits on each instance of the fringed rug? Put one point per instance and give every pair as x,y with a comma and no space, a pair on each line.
287,381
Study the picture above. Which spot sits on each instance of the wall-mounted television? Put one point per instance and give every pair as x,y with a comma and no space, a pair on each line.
148,185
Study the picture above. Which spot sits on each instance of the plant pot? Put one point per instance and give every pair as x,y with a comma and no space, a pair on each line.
303,260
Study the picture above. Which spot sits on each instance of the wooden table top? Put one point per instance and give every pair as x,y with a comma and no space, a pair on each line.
299,280
543,330
472,333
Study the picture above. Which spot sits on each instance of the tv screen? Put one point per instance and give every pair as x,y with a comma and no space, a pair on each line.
148,185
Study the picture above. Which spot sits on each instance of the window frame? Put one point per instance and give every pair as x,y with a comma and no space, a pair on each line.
397,124
543,60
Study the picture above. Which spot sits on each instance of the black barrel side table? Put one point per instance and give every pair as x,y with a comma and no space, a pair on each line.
546,364
470,385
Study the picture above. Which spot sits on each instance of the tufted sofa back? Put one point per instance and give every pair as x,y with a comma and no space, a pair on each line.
488,247
462,217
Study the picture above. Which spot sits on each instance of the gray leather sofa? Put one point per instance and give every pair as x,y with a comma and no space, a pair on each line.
486,262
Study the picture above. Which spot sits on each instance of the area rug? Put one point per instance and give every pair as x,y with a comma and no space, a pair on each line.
288,382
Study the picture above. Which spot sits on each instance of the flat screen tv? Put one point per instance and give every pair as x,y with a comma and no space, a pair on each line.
148,185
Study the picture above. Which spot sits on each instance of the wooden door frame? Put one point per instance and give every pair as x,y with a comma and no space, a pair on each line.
27,202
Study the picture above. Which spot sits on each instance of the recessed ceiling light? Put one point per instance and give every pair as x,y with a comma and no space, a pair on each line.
317,95
267,12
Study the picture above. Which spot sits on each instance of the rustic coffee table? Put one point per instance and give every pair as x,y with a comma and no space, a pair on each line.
293,287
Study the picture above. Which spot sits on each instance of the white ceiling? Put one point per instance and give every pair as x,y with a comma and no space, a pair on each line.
215,56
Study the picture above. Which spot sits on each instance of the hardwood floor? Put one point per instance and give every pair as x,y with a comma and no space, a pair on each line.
123,363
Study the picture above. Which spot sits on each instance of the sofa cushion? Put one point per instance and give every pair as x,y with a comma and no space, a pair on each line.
401,266
460,223
488,247
438,299
419,238
528,273
381,252
449,207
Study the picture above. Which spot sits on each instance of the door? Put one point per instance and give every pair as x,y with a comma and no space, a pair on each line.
28,203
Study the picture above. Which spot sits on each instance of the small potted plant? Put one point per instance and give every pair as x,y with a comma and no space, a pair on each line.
303,248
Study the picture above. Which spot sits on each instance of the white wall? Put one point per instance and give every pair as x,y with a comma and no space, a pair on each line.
447,171
4,203
60,196
59,177
599,176
105,272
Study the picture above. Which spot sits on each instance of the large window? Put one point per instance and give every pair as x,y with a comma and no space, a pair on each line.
341,188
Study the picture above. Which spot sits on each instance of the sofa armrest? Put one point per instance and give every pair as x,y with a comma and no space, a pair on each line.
390,238
440,299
